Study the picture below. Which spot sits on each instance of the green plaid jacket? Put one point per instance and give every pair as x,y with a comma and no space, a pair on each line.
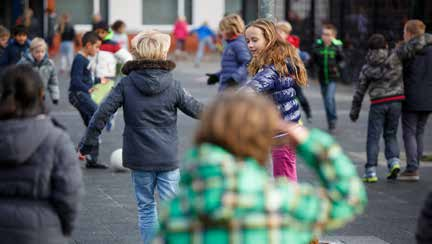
224,200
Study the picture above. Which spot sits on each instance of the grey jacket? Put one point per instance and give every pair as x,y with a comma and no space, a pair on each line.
40,182
47,71
382,74
150,98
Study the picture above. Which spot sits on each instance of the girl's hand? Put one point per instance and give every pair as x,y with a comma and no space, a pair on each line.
290,133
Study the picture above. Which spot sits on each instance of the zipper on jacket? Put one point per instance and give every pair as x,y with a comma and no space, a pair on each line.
326,71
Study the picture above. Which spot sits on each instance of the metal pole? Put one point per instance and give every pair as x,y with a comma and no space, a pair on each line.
266,9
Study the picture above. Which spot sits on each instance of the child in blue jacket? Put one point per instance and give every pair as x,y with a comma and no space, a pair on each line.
235,57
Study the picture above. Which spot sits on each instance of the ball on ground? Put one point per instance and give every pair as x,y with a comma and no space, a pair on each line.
116,161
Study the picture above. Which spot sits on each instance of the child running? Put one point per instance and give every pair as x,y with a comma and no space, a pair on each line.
150,98
235,56
227,197
276,67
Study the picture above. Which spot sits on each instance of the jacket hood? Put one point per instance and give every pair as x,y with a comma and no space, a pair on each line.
377,56
29,58
422,42
20,138
150,77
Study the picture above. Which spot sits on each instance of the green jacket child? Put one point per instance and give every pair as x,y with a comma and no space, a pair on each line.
328,59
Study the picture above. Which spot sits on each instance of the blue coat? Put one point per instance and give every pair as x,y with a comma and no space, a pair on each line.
234,62
13,53
203,32
150,98
281,89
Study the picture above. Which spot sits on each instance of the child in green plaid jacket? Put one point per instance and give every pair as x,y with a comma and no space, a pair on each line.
226,195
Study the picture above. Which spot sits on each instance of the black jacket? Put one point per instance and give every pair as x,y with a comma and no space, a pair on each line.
418,77
424,225
40,182
150,98
328,60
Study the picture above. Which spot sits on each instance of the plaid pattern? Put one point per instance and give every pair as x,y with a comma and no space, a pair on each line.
223,200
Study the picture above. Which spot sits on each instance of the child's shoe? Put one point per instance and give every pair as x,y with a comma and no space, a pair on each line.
370,175
394,169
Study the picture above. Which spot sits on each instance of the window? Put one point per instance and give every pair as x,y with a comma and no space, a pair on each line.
81,11
159,12
233,6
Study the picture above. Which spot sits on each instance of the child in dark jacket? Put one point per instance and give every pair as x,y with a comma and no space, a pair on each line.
328,57
382,75
40,177
235,56
17,47
150,98
4,39
276,67
81,86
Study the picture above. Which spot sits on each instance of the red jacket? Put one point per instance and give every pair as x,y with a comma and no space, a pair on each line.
180,30
294,40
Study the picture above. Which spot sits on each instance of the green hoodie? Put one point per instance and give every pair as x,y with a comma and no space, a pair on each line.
327,59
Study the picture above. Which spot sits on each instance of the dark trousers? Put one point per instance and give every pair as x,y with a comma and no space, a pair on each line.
413,125
86,107
383,120
304,103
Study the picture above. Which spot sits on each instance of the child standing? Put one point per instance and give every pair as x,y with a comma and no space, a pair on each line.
227,196
276,67
150,98
120,36
180,34
328,56
81,86
284,29
4,39
67,33
16,48
235,56
38,59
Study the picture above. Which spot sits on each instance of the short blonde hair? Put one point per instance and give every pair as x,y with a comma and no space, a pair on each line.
38,42
415,27
242,123
284,26
233,24
150,45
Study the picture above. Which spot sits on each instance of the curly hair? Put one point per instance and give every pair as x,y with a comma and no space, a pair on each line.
241,123
276,52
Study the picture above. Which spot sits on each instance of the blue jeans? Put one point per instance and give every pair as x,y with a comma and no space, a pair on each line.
67,54
207,41
383,120
328,93
145,183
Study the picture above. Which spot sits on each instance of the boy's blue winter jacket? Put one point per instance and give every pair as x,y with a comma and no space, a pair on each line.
13,53
280,88
234,62
203,32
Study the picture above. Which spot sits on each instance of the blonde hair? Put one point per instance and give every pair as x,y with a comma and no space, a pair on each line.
242,123
4,32
38,42
284,26
150,45
276,52
233,24
415,27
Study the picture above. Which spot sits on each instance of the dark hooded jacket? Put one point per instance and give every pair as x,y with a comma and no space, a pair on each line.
417,73
150,98
40,182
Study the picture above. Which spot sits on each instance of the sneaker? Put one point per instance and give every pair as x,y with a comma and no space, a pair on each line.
394,170
370,175
96,166
409,176
332,126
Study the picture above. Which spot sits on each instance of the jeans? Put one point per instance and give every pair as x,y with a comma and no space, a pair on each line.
328,94
86,107
413,125
284,162
304,103
145,183
383,120
66,54
207,41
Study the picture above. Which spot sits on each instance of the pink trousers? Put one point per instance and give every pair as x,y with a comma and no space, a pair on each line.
284,162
